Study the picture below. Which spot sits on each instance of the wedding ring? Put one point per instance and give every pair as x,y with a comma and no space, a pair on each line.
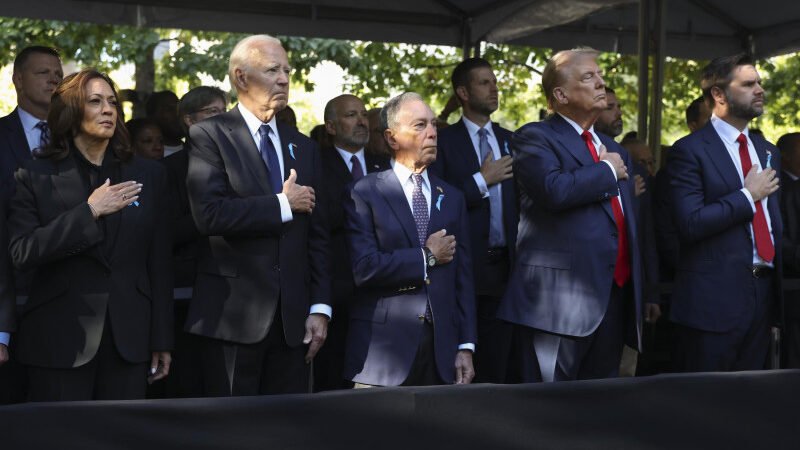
124,197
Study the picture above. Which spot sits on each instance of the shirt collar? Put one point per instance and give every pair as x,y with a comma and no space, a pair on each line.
29,122
473,128
727,132
346,156
404,173
254,123
577,127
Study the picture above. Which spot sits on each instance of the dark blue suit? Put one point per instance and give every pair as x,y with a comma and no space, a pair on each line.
715,290
14,151
385,318
456,162
567,244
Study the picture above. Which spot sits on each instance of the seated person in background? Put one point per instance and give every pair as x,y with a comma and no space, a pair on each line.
162,108
146,138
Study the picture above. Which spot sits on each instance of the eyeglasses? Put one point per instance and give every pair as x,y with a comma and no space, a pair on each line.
211,110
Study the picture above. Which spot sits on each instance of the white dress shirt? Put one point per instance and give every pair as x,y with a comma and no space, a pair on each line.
403,174
728,134
32,134
347,157
472,130
253,125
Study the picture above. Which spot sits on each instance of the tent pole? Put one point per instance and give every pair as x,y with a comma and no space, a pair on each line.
654,139
644,57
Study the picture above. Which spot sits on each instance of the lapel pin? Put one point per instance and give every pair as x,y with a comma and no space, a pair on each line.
505,144
769,159
291,150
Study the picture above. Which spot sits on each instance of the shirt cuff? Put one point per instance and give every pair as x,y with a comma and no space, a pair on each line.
467,346
613,171
424,265
5,338
286,210
481,182
749,199
321,308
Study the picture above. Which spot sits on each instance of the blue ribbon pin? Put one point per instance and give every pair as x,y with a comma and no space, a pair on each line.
769,159
439,202
505,143
291,150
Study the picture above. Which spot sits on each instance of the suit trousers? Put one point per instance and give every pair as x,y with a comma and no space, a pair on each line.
554,357
745,347
269,366
106,377
328,365
494,356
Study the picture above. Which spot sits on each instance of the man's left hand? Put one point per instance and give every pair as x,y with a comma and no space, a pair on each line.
652,311
3,354
316,333
464,370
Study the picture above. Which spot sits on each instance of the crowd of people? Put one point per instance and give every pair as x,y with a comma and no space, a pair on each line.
225,253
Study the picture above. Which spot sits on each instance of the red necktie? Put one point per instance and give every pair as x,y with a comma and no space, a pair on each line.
764,246
622,268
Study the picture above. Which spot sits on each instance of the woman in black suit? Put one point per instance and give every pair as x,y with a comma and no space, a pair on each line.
90,220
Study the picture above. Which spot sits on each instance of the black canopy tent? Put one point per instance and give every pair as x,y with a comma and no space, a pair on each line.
697,29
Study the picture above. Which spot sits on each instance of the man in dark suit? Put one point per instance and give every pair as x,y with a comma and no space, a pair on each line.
37,72
728,281
346,121
473,155
263,283
789,146
575,288
413,320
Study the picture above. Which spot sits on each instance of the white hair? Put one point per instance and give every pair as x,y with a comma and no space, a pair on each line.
242,54
392,107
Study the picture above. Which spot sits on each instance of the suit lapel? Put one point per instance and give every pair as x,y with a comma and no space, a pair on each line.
571,140
465,148
375,164
16,138
438,200
720,157
245,148
289,149
391,190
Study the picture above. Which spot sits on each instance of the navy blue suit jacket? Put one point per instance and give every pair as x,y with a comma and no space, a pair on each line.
456,162
389,271
251,260
567,243
714,273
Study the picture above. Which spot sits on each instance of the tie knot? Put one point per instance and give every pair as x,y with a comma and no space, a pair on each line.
354,159
417,179
42,125
587,137
265,130
742,139
483,132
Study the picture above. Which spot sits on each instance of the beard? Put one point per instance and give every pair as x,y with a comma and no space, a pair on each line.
746,111
355,141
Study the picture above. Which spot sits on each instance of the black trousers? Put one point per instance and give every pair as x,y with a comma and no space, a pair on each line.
266,367
423,370
329,363
106,377
745,347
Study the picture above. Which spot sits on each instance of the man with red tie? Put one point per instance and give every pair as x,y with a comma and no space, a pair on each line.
723,188
575,290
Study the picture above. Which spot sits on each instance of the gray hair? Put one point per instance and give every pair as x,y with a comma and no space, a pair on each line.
242,53
390,109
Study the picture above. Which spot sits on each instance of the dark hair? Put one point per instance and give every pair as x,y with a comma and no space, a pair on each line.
610,91
25,54
693,110
463,72
136,126
719,73
156,101
66,115
785,142
198,98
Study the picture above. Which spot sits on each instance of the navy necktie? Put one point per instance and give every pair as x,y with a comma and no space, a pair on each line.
44,137
497,235
420,209
356,171
270,157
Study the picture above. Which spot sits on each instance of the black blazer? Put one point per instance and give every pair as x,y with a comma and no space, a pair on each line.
456,162
185,246
7,303
251,262
336,181
77,285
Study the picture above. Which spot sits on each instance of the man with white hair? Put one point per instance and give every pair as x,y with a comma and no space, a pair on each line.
413,320
263,283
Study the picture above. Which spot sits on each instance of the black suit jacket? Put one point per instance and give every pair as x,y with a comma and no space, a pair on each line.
14,151
456,162
76,284
251,262
185,246
335,180
7,303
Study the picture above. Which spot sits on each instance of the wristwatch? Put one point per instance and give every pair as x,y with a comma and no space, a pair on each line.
430,258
